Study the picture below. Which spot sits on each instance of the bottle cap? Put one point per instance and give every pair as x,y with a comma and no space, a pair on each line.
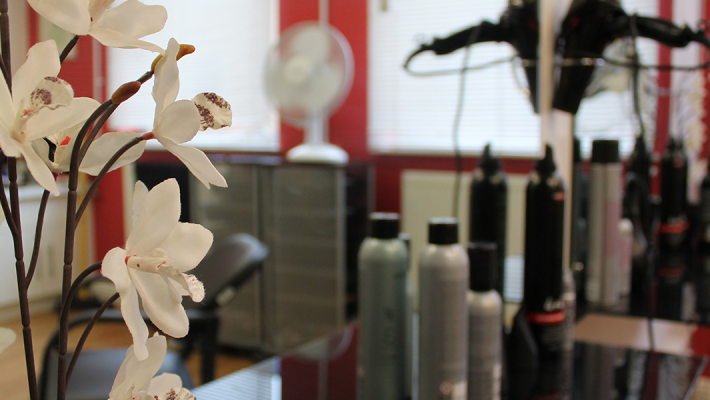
483,258
546,165
443,231
488,163
605,151
384,225
577,150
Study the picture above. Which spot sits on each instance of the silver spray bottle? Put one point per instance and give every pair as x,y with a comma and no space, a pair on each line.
382,269
604,216
443,316
485,325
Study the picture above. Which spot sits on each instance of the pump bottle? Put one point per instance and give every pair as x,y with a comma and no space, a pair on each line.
443,316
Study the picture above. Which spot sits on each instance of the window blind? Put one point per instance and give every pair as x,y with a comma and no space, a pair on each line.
231,38
408,114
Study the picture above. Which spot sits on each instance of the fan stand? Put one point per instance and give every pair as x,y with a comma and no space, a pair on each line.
315,149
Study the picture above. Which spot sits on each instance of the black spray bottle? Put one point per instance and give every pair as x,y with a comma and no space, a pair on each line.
488,207
543,288
703,270
672,232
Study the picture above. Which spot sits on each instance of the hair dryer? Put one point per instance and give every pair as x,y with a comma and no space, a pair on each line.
590,26
518,26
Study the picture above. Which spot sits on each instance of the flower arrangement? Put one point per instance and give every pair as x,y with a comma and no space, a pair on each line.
57,134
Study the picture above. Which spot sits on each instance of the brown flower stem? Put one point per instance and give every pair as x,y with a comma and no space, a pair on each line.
100,176
68,48
85,335
97,127
69,245
21,282
6,207
146,77
66,306
38,236
5,42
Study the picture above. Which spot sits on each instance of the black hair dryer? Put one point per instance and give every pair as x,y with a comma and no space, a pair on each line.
518,26
590,26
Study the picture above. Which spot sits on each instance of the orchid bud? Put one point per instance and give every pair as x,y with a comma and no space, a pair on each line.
184,50
125,92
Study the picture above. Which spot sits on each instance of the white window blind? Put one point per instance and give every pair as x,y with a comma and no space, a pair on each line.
408,114
231,38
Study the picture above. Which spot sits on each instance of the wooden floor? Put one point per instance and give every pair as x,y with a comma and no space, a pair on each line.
13,373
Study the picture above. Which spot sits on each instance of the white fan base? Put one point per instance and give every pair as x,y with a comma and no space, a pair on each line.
323,153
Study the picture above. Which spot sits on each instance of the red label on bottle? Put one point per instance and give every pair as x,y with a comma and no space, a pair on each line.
543,318
676,228
560,196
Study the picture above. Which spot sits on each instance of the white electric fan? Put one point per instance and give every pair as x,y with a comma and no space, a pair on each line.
308,74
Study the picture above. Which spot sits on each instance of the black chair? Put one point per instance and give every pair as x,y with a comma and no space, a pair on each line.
229,264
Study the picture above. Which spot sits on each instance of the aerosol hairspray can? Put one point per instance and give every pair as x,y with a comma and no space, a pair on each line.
488,208
542,298
604,216
409,322
485,325
382,269
672,232
443,314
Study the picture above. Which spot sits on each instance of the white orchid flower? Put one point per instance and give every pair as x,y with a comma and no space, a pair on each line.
135,381
121,26
176,122
158,252
40,105
7,337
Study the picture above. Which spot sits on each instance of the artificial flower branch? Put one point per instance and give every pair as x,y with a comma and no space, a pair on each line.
6,205
38,236
5,42
68,48
85,334
21,279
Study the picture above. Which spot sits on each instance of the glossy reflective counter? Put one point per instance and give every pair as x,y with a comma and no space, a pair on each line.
327,370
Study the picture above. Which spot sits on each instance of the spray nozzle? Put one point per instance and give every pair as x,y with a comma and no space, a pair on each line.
546,165
488,163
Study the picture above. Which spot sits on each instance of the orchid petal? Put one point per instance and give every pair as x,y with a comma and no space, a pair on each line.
105,146
157,218
10,147
197,162
189,283
140,191
187,245
7,337
133,19
114,268
51,92
136,373
64,144
7,110
167,79
164,383
160,303
47,121
215,112
39,170
111,38
179,122
42,61
70,15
